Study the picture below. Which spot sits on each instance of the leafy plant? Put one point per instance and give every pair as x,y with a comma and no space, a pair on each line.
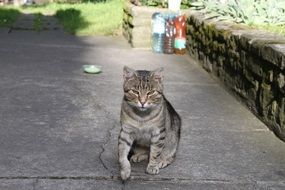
154,3
244,11
164,3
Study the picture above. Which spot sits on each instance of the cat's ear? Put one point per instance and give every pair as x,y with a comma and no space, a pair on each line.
128,73
158,74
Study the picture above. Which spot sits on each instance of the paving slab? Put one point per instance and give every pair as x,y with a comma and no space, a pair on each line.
59,125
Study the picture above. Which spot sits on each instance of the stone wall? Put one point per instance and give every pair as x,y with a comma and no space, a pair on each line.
137,24
251,63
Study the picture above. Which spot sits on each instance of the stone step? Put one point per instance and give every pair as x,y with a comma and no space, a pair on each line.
28,22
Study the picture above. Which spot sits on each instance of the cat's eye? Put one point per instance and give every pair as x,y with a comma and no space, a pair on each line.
135,92
151,92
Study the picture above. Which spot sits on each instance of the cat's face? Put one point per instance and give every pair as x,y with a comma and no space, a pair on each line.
143,89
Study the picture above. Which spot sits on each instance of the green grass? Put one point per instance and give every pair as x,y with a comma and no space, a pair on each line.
8,16
85,18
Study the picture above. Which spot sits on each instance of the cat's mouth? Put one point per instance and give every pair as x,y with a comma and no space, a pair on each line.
142,108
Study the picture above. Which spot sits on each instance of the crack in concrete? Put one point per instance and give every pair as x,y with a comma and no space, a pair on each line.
108,137
135,178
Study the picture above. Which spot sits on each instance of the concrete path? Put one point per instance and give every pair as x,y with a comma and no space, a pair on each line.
59,126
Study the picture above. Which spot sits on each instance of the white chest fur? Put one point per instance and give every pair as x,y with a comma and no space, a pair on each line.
143,136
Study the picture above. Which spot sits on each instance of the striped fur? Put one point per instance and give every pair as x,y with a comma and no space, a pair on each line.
150,126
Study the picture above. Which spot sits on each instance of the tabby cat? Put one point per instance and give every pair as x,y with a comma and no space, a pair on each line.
150,127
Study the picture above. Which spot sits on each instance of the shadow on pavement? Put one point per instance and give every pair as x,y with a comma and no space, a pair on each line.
72,20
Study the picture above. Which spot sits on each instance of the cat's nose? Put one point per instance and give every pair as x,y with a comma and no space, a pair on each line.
142,101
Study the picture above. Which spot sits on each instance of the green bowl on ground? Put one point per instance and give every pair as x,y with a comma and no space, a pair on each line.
92,69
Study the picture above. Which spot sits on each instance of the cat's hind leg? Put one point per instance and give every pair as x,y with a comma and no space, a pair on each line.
140,153
168,153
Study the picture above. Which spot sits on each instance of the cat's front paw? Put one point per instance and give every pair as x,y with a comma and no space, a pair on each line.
125,174
125,170
152,169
